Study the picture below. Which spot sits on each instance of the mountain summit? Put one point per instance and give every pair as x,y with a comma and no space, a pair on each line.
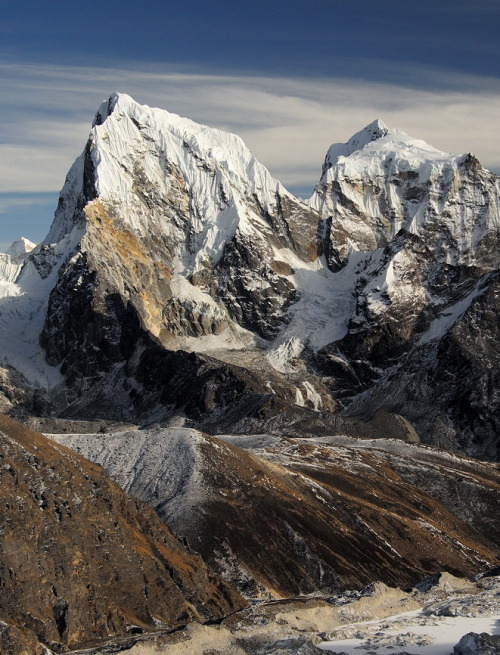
180,276
20,247
371,132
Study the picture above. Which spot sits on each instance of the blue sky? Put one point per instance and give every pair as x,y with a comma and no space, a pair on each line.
289,77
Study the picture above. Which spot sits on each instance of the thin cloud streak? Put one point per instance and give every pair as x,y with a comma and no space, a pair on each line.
287,123
9,203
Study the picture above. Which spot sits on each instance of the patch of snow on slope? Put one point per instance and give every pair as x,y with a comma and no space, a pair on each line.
322,313
441,325
234,337
159,466
24,296
410,632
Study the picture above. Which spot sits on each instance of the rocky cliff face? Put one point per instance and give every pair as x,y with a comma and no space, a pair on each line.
425,225
173,250
190,220
80,561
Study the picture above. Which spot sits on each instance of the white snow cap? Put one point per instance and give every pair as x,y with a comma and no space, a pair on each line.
20,246
371,132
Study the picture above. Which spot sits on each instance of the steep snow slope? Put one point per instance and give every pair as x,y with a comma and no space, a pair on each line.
128,146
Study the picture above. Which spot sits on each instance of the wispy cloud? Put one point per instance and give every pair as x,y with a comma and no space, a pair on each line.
9,202
287,123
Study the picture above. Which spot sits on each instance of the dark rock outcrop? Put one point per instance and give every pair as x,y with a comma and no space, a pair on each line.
478,644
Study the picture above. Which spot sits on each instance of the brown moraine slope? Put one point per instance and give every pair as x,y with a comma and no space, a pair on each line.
282,516
81,561
311,519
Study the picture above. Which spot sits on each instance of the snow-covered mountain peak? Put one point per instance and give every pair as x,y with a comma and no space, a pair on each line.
375,130
405,151
21,246
139,157
177,138
376,149
183,221
382,181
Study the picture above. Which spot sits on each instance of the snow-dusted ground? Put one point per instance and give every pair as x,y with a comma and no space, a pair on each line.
412,632
157,465
447,615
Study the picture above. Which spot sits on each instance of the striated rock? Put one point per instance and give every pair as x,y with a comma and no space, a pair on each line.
80,561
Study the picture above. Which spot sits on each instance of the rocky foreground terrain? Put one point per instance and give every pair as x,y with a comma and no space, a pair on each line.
426,621
80,561
277,516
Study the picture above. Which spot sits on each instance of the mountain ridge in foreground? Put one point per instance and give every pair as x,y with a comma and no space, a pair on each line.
276,516
81,561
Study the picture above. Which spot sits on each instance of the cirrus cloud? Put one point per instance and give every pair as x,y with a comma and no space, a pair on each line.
288,123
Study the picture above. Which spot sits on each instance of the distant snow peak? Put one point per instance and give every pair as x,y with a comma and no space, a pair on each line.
375,130
21,246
